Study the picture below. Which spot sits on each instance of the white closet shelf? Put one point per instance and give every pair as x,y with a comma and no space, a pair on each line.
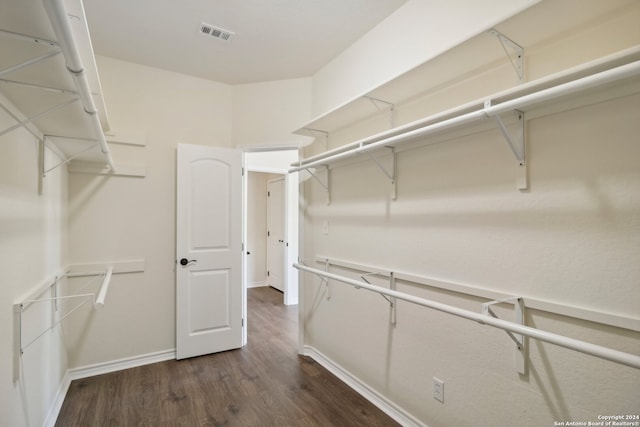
609,62
623,58
606,78
49,81
480,53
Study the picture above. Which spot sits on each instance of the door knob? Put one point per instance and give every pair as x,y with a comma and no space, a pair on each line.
185,261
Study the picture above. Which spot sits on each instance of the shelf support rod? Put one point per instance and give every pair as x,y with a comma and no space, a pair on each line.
518,303
41,172
517,61
364,279
68,159
391,175
323,280
323,133
98,302
392,285
29,62
18,119
28,38
41,87
326,281
313,132
17,340
391,106
324,185
22,123
516,144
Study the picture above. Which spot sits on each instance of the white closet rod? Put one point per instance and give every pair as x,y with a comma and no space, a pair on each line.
102,293
600,64
98,302
615,74
604,318
559,340
59,19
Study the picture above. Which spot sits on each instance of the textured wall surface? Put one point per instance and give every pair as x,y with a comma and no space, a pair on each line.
33,236
573,237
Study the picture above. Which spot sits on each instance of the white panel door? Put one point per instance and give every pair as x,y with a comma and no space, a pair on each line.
208,250
275,233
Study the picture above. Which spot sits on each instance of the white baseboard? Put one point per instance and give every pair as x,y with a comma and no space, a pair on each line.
256,284
99,369
120,364
54,411
384,404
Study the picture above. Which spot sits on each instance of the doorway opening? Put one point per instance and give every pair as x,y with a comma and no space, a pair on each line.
270,221
265,240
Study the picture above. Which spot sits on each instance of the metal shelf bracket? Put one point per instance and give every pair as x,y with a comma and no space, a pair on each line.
392,108
325,184
390,300
390,172
392,286
518,304
98,298
326,281
38,87
70,158
55,50
516,141
514,52
317,133
323,280
23,123
29,62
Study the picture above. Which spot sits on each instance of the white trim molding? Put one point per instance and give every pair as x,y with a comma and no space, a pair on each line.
384,404
257,284
99,369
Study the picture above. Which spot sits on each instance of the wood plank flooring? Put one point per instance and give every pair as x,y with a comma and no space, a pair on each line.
265,383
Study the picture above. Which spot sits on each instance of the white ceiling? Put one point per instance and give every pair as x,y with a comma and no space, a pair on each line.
274,39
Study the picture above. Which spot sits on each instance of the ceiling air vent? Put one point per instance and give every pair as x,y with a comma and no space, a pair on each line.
216,32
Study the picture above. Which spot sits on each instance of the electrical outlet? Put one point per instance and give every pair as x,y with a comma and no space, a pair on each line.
325,228
438,389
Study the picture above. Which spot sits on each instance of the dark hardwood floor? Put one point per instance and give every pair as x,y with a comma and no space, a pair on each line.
265,383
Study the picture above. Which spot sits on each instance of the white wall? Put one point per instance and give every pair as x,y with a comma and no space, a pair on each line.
32,242
136,216
119,218
267,113
573,238
417,32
